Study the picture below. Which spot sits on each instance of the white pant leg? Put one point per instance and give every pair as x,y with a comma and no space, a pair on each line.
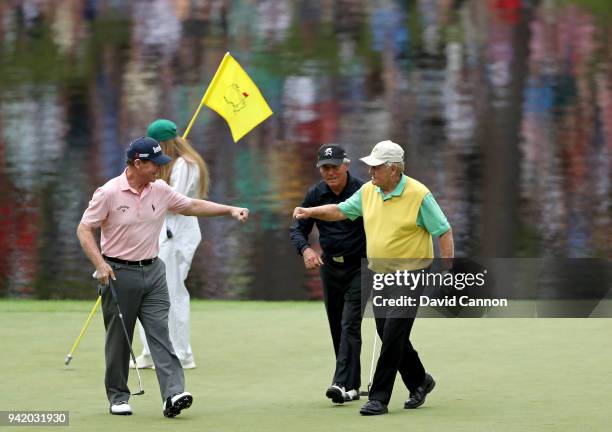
143,338
178,318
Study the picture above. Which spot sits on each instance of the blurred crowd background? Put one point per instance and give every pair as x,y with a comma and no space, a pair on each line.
504,109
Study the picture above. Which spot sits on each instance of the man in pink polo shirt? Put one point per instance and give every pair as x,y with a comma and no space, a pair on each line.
130,211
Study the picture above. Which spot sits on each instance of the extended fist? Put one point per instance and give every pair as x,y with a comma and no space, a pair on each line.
301,213
242,214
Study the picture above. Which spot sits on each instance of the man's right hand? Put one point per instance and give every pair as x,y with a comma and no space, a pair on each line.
103,272
312,259
301,213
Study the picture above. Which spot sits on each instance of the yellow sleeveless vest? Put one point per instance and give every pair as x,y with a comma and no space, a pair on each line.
390,225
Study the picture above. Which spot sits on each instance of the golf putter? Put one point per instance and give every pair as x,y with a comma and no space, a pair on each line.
366,393
127,338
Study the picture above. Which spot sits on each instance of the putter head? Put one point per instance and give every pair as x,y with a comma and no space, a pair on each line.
141,392
67,359
366,392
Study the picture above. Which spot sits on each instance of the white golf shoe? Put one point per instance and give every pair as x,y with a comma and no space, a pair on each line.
143,362
351,395
121,408
336,393
176,403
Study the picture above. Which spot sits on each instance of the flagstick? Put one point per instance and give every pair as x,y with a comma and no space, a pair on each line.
195,115
211,85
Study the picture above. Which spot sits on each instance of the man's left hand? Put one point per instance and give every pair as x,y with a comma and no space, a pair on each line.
240,213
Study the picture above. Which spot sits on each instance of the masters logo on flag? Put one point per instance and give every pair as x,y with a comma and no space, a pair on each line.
236,98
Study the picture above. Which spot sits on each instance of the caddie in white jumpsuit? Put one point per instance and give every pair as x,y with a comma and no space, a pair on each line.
178,241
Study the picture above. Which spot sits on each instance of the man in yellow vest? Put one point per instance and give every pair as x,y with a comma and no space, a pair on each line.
400,216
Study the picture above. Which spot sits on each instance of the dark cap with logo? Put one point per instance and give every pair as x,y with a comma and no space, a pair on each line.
330,154
147,149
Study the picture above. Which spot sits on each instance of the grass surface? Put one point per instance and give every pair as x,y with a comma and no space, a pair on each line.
265,366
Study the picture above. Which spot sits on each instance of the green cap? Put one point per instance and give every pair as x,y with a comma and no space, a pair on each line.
161,130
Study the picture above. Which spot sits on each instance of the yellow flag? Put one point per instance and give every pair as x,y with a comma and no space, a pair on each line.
236,98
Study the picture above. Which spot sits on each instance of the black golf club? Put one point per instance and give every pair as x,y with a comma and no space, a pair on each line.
127,338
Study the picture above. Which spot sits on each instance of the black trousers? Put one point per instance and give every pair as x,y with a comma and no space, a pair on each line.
342,296
393,325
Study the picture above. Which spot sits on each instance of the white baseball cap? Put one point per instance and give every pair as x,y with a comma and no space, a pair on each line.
384,151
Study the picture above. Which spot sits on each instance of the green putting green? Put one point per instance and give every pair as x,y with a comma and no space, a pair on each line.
264,366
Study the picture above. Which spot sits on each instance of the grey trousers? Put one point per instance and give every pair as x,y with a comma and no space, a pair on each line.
142,293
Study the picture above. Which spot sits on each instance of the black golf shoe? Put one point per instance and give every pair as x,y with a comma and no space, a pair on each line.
373,407
417,398
336,393
176,403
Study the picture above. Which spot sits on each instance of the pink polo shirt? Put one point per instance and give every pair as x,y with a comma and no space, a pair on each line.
131,222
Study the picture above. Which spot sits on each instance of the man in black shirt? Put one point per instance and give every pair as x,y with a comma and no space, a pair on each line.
343,245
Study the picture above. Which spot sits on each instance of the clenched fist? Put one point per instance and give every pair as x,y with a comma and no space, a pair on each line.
301,213
241,214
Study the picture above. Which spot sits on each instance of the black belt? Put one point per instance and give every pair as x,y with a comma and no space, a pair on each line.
140,263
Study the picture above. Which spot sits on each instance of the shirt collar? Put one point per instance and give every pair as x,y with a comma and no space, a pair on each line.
123,181
395,192
125,185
